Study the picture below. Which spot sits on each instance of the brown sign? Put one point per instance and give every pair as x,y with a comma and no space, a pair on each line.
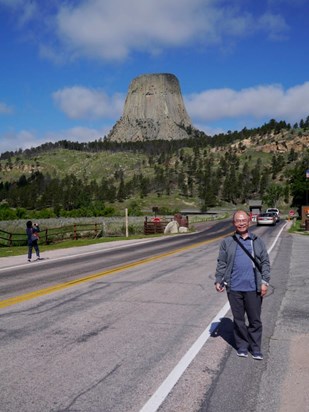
304,213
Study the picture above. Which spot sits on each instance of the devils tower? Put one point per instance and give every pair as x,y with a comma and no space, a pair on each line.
154,109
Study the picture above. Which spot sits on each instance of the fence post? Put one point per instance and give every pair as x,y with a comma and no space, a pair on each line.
75,237
145,226
127,223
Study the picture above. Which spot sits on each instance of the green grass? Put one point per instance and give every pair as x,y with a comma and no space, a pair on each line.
22,250
83,165
296,228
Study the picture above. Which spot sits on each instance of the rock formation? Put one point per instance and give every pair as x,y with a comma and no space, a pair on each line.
283,142
154,109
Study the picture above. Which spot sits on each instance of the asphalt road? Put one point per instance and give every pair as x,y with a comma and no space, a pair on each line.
109,339
224,382
72,264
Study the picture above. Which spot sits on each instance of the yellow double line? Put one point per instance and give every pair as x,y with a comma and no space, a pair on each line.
56,288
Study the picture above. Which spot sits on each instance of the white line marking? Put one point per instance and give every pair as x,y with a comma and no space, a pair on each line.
276,239
167,385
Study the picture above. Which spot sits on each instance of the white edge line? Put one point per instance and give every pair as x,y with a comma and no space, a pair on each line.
167,385
276,239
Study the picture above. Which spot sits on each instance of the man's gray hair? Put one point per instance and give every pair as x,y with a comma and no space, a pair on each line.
239,211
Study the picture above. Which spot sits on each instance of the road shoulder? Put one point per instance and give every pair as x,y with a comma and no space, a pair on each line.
284,382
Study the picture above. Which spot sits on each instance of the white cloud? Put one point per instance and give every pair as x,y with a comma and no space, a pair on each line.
77,134
25,139
29,12
275,25
11,3
281,3
79,102
256,102
47,52
209,130
113,29
5,109
25,9
12,141
220,105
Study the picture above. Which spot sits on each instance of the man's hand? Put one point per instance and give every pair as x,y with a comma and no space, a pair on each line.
219,287
264,289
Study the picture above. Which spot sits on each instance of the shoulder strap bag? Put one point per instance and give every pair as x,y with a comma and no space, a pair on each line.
257,265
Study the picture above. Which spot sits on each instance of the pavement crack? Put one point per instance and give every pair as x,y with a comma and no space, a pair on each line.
87,390
85,337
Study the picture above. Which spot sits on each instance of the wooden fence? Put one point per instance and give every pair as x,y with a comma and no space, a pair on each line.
158,225
52,235
153,226
90,230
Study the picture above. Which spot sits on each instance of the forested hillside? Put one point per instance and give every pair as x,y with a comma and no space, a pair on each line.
89,179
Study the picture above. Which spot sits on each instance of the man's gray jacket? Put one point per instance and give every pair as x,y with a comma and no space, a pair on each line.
226,260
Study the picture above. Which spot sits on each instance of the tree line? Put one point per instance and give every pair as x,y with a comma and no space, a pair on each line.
154,147
199,173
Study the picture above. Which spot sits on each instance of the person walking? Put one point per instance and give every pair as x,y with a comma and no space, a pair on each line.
243,270
32,232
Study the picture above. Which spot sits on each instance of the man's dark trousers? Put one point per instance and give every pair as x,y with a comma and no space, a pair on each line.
247,337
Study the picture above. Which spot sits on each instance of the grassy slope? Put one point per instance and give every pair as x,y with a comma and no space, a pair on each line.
104,164
82,164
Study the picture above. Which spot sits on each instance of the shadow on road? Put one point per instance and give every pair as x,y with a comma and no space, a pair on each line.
224,329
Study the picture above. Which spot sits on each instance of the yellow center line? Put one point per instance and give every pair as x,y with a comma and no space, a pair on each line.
61,286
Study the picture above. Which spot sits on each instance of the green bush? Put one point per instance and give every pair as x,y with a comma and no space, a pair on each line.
43,214
6,213
21,213
134,209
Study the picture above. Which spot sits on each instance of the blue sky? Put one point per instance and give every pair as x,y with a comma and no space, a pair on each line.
66,65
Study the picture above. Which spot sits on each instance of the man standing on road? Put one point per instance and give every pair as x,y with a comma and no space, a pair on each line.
246,280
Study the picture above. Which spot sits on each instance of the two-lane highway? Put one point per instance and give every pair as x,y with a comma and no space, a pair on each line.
48,272
109,339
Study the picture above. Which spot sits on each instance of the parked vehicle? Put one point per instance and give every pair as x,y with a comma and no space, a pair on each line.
255,207
276,216
266,219
274,210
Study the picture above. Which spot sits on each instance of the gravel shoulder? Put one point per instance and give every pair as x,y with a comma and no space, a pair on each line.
286,378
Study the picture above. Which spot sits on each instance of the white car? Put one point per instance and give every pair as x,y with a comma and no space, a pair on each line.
274,210
266,219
